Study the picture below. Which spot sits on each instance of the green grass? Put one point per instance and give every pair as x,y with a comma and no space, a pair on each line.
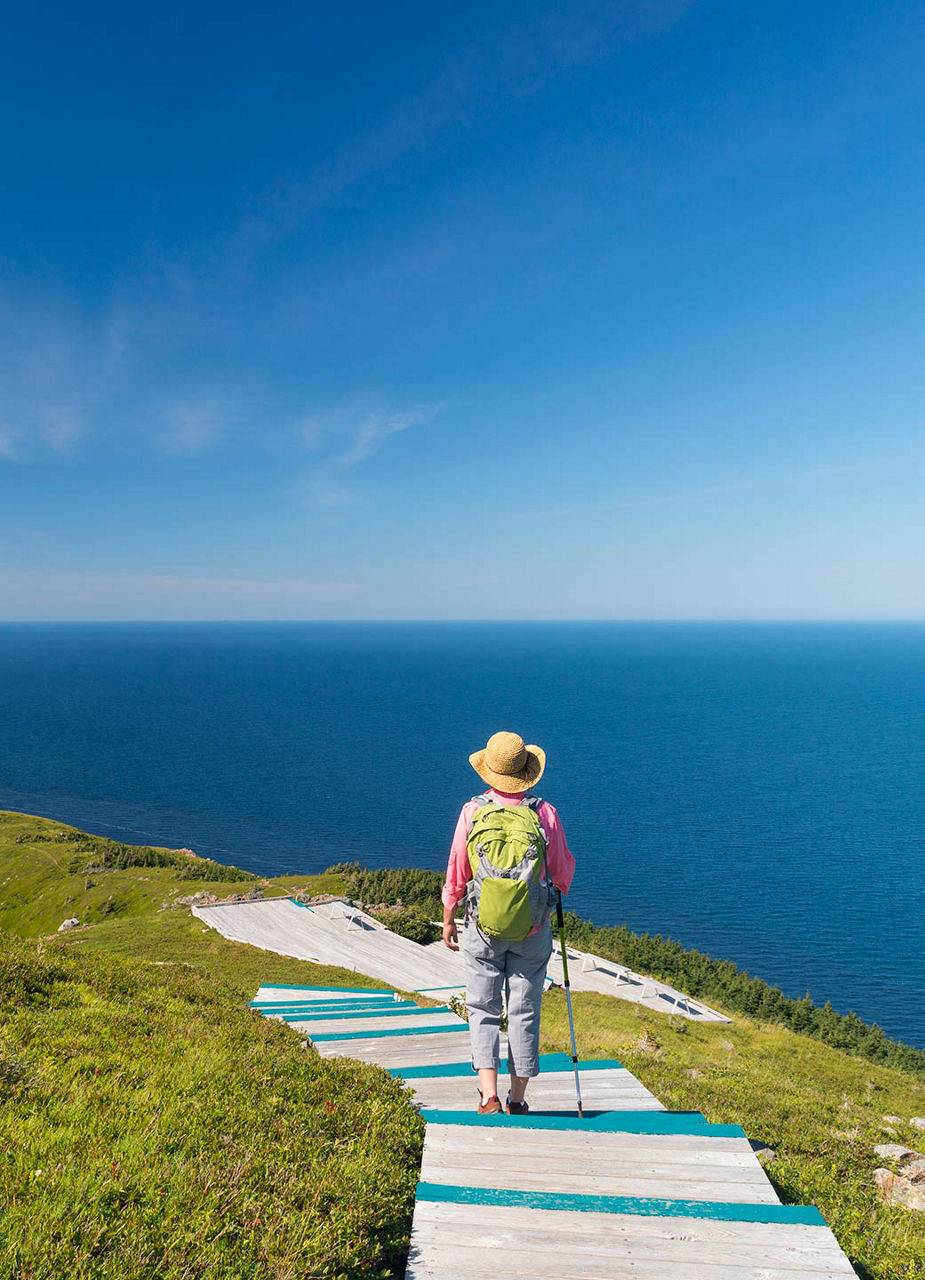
50,872
152,1126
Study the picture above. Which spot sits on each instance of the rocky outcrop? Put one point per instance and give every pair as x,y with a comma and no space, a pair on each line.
65,925
201,899
892,1151
897,1190
903,1185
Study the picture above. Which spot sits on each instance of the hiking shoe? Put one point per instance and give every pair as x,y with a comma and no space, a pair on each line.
490,1106
516,1108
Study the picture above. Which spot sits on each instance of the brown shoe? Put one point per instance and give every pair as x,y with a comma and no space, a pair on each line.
516,1108
490,1106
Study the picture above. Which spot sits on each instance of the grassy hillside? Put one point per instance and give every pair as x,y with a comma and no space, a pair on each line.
49,872
151,1126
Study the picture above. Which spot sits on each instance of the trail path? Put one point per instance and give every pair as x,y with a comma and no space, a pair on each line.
631,1192
336,933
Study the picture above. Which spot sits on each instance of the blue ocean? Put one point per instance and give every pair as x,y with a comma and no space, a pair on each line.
752,790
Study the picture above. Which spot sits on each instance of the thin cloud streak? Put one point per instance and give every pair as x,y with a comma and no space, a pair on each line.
373,431
359,437
508,62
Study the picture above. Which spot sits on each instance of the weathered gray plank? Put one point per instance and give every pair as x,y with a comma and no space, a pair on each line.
397,1022
293,995
400,1051
508,1243
816,1253
506,1223
522,1143
611,1090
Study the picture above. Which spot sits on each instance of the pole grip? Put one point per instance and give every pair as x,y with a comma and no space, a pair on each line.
559,918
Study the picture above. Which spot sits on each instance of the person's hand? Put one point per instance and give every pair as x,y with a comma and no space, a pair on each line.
450,937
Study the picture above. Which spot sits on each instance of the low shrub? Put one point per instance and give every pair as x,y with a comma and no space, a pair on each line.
397,884
409,922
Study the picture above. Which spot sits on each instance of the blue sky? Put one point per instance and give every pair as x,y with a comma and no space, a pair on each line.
419,311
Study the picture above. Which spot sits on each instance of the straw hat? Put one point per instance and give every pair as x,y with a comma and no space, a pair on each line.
508,764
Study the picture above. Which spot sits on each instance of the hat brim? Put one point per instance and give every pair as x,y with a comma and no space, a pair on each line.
511,782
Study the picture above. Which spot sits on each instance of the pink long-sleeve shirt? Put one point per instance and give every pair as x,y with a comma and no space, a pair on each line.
560,865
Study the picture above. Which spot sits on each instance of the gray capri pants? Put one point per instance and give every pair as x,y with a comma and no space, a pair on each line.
516,970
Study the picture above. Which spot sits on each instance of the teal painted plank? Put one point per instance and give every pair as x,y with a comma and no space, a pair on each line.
322,1002
722,1210
366,1013
301,986
378,1035
548,1062
347,1007
678,1122
304,905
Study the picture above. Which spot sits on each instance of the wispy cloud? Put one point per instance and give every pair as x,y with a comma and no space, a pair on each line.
372,433
190,426
506,60
68,375
58,368
351,437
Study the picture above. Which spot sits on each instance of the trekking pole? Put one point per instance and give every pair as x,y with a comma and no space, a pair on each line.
568,999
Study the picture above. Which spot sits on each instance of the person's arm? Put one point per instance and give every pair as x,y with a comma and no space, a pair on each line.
458,875
450,935
560,864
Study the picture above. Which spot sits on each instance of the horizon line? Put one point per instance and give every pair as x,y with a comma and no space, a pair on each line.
595,621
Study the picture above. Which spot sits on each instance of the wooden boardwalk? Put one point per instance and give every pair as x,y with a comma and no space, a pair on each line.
631,1192
337,934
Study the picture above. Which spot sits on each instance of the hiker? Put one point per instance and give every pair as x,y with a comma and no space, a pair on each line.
507,939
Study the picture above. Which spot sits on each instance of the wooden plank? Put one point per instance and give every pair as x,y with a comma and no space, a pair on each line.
549,1062
720,1155
652,1182
375,1001
599,1122
295,991
494,1221
757,1244
389,1033
541,1103
550,1091
439,1261
400,1051
589,1202
402,1021
683,1147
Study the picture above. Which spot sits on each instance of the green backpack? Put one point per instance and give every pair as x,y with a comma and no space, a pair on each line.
507,854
